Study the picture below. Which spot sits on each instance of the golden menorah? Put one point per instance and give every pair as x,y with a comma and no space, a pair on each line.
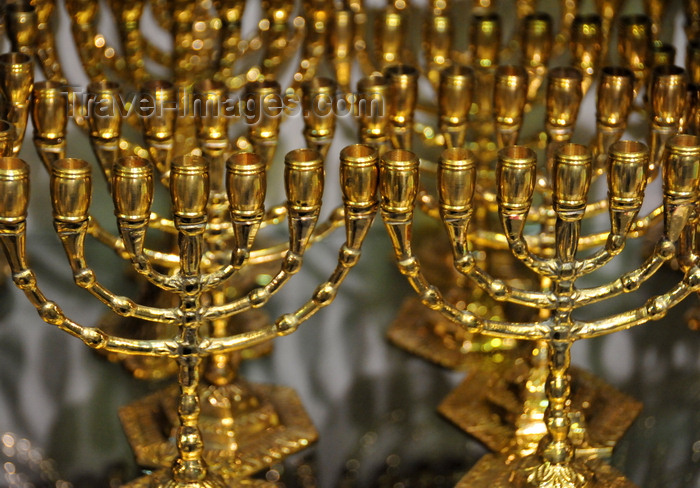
217,199
132,180
268,416
628,170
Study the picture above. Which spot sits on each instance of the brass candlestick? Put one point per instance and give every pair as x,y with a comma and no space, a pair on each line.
554,463
133,192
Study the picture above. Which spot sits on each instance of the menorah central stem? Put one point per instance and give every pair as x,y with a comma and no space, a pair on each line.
556,448
189,466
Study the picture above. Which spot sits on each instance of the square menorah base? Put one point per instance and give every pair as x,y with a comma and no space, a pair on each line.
504,471
148,428
429,335
488,403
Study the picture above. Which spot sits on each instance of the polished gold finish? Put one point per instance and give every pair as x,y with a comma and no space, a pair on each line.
22,27
509,98
159,118
342,34
373,111
132,188
485,46
263,115
50,119
318,106
667,100
555,461
563,99
613,105
482,404
437,44
16,84
586,46
634,46
389,39
104,119
211,126
7,138
536,49
218,200
402,98
454,103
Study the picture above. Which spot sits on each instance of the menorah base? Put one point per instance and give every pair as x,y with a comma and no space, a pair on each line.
163,479
269,426
512,471
429,335
496,407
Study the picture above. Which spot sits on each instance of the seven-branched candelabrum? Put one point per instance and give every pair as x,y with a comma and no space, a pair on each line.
132,184
628,171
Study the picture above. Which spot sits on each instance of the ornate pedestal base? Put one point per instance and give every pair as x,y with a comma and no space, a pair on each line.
504,410
512,471
161,478
258,425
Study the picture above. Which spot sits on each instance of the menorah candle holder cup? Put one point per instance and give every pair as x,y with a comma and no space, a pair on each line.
318,105
263,128
437,43
372,111
587,46
536,43
509,99
390,37
49,118
401,102
667,105
613,106
455,91
16,84
634,46
22,25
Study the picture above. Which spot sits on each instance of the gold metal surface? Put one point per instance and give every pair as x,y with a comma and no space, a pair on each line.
552,426
501,405
245,427
133,193
586,46
16,84
634,46
553,461
509,97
